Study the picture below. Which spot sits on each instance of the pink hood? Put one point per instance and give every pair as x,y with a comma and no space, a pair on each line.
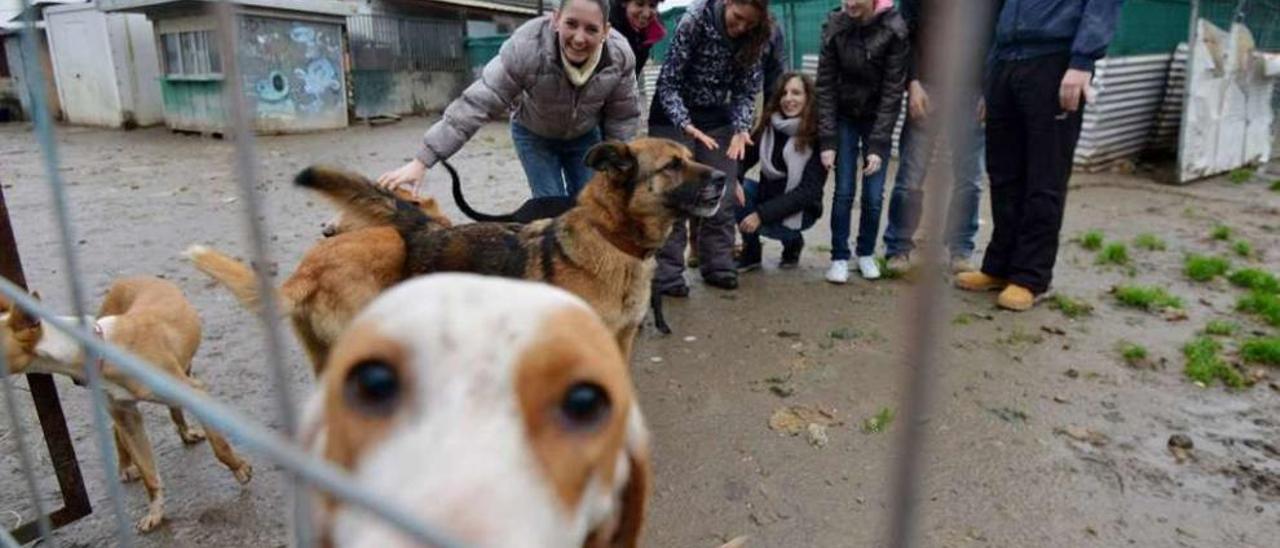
883,5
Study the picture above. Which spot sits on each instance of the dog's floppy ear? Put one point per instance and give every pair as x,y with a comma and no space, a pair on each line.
623,531
21,320
612,157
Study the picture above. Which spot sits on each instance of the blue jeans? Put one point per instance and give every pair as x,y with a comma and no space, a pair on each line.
774,231
853,137
554,167
968,148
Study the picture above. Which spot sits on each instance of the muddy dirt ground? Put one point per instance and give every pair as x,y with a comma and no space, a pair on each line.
1013,391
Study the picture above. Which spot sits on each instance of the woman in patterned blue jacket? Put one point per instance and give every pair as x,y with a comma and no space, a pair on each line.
705,99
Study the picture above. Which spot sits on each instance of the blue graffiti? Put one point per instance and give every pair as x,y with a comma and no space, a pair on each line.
319,78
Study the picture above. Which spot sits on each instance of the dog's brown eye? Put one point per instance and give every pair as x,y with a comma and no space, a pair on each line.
373,387
584,405
676,164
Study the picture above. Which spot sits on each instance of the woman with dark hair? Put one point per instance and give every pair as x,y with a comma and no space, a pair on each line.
788,197
705,99
638,22
568,78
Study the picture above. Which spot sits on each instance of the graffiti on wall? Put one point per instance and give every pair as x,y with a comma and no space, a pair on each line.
292,69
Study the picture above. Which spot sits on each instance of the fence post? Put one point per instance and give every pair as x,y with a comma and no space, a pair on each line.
75,500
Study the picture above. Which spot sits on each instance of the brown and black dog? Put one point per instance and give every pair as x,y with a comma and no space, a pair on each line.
601,250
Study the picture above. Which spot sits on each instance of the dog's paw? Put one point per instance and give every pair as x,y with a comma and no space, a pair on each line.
244,473
191,436
130,474
151,520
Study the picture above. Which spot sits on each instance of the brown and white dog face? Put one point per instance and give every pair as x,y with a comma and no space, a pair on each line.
661,178
500,411
342,222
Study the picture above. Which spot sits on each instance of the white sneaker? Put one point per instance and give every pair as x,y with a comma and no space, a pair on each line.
868,267
839,272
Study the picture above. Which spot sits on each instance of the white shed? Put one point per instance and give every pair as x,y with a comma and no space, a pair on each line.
105,66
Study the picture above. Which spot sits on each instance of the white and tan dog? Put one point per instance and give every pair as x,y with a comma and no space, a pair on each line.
500,411
150,318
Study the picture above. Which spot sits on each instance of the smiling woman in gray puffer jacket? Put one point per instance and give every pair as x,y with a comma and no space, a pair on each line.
566,75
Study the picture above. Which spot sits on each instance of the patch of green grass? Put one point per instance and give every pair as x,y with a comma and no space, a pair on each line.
1092,240
1255,279
1146,298
1114,253
1203,269
1204,364
963,318
1242,248
1133,353
1240,176
878,423
1149,242
1266,305
1265,350
843,334
886,272
1221,328
1275,185
1070,307
1220,232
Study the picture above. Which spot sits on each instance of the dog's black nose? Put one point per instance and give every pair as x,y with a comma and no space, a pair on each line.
328,230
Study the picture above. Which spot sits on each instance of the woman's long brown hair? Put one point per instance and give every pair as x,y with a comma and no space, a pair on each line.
753,43
808,131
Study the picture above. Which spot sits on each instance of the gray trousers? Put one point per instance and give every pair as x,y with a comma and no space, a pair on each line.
715,234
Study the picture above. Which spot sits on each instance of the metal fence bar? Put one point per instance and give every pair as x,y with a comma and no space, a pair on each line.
246,175
956,28
53,423
44,131
238,427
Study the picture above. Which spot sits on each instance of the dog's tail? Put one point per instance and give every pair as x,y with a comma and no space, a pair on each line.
461,201
234,275
358,196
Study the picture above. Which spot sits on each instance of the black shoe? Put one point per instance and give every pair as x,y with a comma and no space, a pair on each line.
750,258
678,291
722,280
791,254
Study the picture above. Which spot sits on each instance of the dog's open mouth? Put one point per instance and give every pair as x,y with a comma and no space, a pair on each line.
708,201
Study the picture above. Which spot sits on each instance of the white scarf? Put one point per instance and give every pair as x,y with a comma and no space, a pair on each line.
794,159
579,75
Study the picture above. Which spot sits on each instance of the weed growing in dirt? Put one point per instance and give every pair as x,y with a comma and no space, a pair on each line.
1069,306
1255,279
1221,328
1092,240
1115,253
963,318
1146,298
1221,232
1132,353
1242,248
1264,350
843,334
1263,304
1203,269
1149,242
1204,364
886,272
1275,185
879,423
1240,176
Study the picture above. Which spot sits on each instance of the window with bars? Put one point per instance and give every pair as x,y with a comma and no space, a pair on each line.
190,53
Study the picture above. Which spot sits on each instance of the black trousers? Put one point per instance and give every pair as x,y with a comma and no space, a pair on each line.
1031,142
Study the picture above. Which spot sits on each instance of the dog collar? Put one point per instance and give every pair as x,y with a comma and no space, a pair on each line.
623,244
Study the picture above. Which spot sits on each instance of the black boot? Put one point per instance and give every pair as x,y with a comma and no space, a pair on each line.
750,257
791,252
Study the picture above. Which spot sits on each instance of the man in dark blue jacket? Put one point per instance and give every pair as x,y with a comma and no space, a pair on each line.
1038,72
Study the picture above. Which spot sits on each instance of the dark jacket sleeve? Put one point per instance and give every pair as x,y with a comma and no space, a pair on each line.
910,10
826,88
672,77
751,157
807,192
1097,27
891,89
775,61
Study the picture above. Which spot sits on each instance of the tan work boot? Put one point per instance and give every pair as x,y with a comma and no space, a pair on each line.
979,281
1016,298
